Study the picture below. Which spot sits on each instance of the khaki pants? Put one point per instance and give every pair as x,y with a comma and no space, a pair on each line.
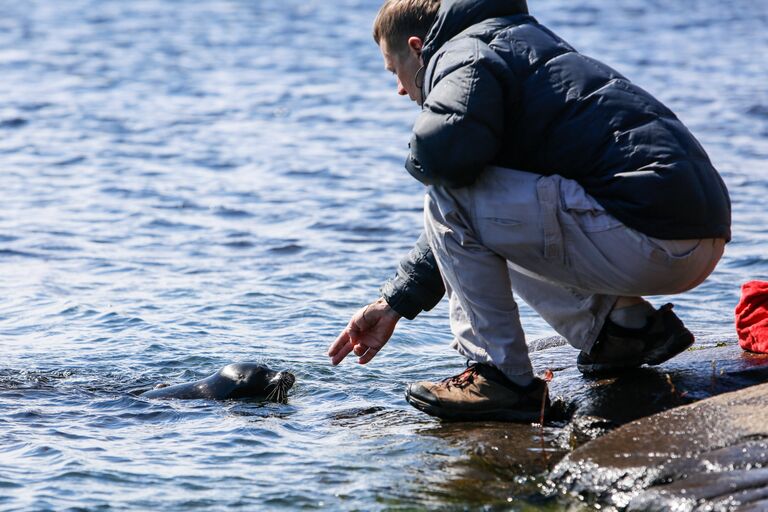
546,240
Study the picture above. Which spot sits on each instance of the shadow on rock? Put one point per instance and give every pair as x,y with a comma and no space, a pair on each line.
589,407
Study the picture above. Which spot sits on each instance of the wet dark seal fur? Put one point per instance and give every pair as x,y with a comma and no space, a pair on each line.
237,380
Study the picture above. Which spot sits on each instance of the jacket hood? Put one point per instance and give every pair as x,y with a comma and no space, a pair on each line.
455,16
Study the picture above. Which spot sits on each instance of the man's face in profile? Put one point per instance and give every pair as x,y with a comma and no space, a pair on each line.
404,64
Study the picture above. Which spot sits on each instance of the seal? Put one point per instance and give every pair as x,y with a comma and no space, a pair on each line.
237,380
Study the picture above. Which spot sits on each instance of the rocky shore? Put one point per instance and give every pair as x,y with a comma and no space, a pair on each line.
688,435
701,442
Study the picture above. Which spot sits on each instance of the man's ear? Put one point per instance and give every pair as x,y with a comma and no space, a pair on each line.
415,44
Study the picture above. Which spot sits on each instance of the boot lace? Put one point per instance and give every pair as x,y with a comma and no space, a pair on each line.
463,379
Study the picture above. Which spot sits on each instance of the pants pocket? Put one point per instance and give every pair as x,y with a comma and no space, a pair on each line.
671,252
548,190
584,209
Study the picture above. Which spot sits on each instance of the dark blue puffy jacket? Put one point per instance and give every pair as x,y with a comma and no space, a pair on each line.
502,89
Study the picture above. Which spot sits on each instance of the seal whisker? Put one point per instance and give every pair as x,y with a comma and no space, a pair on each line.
276,394
279,393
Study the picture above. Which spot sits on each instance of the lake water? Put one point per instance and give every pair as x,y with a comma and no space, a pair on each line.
188,184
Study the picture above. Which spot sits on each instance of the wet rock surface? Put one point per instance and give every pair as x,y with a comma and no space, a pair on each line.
710,368
645,440
694,434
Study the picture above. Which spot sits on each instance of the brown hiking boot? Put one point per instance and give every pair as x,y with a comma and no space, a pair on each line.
618,348
481,392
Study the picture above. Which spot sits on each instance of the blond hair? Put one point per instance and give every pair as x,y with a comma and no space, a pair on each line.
400,19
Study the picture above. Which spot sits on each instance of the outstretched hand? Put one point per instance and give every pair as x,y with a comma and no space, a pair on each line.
367,332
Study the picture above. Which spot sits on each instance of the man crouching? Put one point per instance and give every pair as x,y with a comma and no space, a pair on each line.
551,176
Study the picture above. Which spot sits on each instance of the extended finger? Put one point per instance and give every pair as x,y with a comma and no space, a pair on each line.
370,354
341,353
340,341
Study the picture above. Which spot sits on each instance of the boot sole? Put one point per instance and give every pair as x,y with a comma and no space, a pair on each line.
506,415
674,346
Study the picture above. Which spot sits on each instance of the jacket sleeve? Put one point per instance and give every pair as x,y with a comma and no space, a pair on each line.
417,286
461,125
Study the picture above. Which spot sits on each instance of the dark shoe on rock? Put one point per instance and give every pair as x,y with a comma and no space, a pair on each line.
618,348
480,393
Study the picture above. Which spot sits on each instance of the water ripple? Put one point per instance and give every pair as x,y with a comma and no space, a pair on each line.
184,188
